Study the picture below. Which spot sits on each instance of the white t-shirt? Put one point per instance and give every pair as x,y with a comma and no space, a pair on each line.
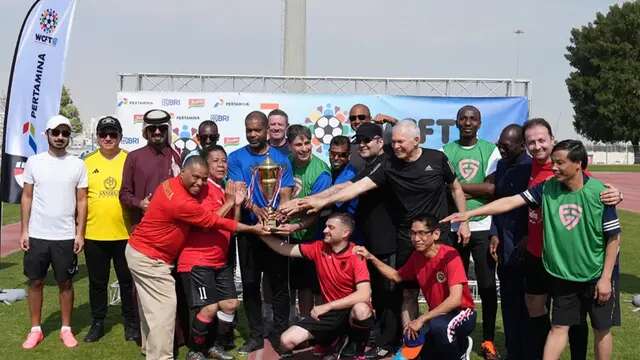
55,180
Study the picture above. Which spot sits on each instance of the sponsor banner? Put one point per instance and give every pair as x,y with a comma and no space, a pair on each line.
325,115
35,87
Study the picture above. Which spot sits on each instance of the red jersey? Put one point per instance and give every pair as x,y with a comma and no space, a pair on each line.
437,274
338,273
163,230
207,247
539,174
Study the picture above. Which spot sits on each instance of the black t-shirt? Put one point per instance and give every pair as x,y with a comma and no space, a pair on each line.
420,186
374,214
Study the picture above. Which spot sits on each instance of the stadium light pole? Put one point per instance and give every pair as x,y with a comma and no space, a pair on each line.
518,32
294,52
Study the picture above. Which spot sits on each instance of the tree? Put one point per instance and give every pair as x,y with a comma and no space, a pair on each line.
69,110
605,86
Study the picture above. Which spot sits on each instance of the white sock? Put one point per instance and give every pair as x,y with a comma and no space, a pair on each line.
226,317
65,328
36,329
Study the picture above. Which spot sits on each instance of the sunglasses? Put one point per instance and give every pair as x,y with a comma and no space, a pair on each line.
344,154
64,133
112,135
154,128
366,140
360,117
209,137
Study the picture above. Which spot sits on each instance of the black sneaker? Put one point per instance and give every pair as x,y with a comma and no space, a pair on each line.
348,350
95,332
218,352
377,352
250,346
132,333
195,355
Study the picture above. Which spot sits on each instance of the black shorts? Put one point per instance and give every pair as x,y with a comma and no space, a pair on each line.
483,264
57,253
404,250
329,326
302,275
205,285
572,301
537,279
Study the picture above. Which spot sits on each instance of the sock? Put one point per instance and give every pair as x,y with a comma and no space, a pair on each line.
65,328
224,329
199,331
538,331
489,298
359,333
36,329
578,339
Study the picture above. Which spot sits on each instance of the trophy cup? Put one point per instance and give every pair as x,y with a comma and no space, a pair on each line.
268,175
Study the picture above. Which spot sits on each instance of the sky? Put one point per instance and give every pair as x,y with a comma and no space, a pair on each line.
377,38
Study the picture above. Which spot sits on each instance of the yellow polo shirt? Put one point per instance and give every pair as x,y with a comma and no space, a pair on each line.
105,218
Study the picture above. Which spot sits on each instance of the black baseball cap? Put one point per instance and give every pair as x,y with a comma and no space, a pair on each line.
367,130
108,122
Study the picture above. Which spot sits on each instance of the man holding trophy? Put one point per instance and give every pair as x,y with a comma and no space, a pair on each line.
269,179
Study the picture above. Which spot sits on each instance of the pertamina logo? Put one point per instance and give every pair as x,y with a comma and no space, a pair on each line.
570,215
48,24
29,132
126,101
221,102
468,168
196,103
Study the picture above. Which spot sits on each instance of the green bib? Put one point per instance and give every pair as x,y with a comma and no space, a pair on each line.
470,165
574,243
304,178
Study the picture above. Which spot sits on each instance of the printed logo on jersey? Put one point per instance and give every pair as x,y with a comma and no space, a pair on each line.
468,168
441,277
570,215
110,183
297,186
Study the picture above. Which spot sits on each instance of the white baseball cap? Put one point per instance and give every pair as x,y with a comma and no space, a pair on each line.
56,121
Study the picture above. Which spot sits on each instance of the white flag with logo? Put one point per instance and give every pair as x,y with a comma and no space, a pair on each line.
35,84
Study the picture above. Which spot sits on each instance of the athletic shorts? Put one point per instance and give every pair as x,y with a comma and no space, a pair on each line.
205,285
483,264
329,326
572,301
57,253
403,253
537,279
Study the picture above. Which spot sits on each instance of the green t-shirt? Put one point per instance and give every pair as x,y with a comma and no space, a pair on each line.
576,228
471,164
308,180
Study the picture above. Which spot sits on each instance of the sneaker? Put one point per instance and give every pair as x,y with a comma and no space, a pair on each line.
250,346
377,352
488,350
195,355
218,352
33,339
68,339
95,332
348,350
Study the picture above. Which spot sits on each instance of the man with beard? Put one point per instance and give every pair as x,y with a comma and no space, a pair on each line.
54,215
255,257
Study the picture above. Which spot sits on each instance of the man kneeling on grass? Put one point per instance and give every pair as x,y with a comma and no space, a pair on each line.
344,286
438,270
581,243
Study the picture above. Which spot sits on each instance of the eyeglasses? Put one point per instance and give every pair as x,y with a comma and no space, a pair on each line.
154,128
360,117
343,154
64,133
112,135
209,137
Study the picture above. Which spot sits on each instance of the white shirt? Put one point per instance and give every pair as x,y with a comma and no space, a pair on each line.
55,181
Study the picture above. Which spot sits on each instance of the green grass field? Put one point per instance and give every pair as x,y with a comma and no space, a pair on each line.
15,320
615,168
10,213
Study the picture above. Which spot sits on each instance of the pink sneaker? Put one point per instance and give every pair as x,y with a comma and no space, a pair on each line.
68,339
33,339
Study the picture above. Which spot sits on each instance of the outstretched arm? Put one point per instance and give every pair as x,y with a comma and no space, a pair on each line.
347,193
386,270
282,248
499,206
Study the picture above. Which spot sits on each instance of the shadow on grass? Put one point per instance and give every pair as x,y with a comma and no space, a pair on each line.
5,264
81,319
629,283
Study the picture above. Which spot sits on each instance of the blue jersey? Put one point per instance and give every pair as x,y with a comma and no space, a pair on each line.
242,163
347,173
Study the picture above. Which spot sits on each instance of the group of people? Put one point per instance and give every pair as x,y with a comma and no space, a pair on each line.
355,243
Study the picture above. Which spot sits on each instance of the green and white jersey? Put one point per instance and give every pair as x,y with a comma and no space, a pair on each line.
472,165
576,228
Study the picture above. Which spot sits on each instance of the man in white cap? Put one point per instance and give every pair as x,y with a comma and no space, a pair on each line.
54,214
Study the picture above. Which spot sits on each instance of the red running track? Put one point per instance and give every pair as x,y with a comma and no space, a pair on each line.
628,183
